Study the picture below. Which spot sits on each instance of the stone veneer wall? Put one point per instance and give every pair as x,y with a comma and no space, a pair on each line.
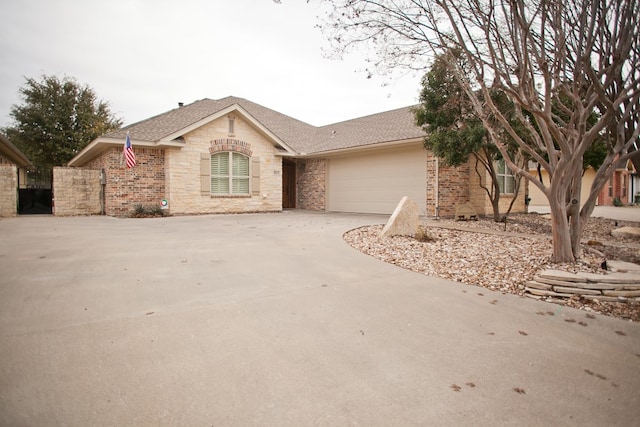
480,200
125,188
188,194
8,190
460,185
311,177
76,191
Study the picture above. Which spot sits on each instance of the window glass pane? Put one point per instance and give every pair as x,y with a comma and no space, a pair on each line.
240,185
510,184
240,165
220,164
501,166
220,185
220,173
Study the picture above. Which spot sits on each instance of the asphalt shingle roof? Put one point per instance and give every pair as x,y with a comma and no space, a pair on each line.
395,125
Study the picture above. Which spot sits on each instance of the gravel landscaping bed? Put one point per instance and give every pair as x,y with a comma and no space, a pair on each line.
468,252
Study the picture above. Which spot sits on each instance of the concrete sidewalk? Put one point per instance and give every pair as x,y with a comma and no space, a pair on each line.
272,319
622,213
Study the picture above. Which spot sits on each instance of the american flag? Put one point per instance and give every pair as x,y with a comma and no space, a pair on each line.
129,155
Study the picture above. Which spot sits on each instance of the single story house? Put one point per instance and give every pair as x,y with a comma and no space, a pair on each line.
232,155
623,187
10,155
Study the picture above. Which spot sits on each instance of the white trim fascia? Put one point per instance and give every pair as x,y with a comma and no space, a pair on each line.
362,148
98,145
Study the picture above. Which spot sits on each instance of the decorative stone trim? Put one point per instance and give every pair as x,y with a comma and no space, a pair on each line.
619,286
230,196
230,144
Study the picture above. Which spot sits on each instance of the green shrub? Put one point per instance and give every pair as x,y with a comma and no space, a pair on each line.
140,211
617,202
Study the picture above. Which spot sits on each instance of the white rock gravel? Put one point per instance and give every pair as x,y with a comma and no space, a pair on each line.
466,252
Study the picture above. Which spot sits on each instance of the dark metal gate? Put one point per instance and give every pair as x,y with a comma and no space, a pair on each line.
35,196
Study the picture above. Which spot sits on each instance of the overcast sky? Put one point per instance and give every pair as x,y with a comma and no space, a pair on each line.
145,56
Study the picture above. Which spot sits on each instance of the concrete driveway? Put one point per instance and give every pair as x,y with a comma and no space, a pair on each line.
273,320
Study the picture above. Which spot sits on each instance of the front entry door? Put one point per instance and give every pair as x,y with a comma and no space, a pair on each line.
288,184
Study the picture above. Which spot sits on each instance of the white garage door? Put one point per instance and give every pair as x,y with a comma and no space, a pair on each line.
375,182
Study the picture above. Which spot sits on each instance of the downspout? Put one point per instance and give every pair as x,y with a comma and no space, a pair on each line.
437,189
103,185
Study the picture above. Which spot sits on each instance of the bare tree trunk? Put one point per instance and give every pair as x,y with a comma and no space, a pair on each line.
516,192
495,204
561,211
493,193
575,229
561,235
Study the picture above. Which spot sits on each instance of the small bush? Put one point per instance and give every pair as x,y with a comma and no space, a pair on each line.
140,211
617,202
423,235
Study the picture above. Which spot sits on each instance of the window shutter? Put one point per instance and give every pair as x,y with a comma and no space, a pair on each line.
205,174
255,176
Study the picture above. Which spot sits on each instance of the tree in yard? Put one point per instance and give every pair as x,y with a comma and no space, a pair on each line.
57,119
455,133
578,57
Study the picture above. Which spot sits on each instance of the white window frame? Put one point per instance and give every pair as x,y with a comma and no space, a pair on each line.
234,178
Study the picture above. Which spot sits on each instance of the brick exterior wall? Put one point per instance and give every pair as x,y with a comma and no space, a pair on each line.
617,186
453,185
125,188
311,177
461,185
454,188
76,191
8,190
479,198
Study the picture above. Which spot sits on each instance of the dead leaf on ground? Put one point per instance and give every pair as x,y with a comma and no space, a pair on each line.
456,387
523,333
519,390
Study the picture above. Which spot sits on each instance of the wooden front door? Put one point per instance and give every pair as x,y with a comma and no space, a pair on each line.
288,184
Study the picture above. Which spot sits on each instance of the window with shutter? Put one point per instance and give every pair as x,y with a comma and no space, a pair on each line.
230,173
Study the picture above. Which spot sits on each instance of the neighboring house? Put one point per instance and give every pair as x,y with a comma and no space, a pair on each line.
10,155
13,176
621,186
233,155
634,188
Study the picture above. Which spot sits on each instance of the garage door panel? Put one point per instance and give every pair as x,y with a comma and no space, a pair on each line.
375,182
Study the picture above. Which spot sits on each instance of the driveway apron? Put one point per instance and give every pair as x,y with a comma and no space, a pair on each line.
272,319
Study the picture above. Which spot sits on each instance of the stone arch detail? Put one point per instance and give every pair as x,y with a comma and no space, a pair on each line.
230,144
